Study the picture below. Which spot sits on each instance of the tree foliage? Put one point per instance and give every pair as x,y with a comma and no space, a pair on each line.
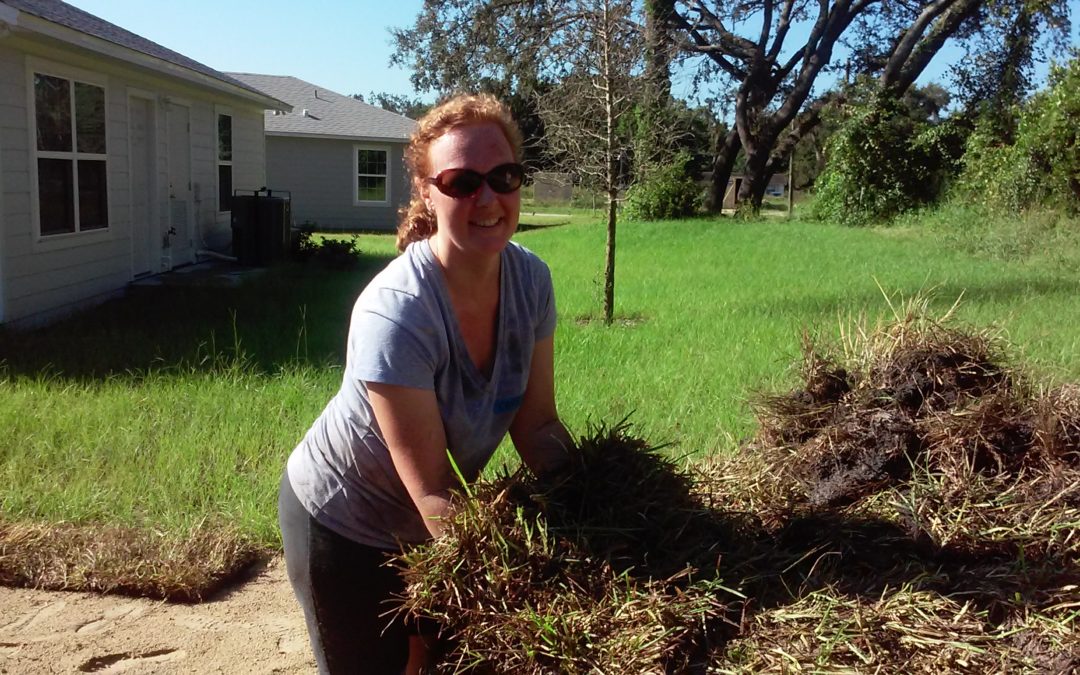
1042,166
408,106
997,71
887,157
667,192
774,106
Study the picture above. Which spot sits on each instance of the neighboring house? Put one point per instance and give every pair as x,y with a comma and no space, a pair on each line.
339,158
777,187
117,157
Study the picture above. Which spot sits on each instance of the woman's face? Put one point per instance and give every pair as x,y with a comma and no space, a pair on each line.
481,225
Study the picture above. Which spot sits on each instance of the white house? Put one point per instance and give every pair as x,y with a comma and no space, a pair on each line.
339,158
117,156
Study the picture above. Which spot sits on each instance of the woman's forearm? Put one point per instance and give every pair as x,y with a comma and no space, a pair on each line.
546,448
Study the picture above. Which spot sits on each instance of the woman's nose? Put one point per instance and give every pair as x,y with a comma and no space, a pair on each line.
486,194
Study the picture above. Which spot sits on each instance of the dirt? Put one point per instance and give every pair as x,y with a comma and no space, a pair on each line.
254,627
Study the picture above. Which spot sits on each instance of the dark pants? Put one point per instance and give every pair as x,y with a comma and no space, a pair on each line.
346,590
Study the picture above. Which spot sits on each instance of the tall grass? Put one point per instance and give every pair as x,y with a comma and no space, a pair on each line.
177,404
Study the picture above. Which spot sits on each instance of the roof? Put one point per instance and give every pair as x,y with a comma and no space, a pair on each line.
317,111
76,19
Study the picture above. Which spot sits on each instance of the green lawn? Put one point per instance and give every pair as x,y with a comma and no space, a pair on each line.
178,404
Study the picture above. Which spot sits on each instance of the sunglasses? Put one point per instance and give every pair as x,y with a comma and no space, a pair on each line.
466,183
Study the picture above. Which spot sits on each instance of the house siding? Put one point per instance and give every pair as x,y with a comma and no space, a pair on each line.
320,174
44,277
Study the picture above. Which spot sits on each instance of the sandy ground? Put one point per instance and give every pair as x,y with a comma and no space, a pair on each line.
255,627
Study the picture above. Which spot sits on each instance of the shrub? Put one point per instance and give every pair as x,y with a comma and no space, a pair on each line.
323,251
882,163
667,192
301,244
1043,166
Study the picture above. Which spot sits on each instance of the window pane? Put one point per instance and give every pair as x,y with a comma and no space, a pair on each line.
371,161
56,198
93,195
224,132
52,110
371,189
89,118
224,173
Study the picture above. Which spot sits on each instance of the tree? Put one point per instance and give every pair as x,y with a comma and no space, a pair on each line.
586,113
888,156
995,75
413,108
775,82
495,46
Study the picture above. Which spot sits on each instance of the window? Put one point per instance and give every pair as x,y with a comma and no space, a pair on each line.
224,162
372,175
72,190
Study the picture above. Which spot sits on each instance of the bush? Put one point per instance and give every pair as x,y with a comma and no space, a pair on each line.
665,193
1043,166
883,163
323,251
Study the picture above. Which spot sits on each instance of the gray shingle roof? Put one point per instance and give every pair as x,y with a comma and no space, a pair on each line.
327,113
84,22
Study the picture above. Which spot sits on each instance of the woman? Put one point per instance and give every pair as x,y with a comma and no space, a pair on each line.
449,348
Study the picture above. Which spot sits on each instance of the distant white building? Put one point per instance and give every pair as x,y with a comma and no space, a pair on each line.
339,158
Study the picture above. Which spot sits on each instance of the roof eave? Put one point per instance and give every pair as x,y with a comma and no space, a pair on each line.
341,137
49,29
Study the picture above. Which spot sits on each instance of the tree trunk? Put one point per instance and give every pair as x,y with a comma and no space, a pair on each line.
653,145
757,174
612,177
727,150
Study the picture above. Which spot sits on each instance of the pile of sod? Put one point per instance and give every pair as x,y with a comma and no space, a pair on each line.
912,507
141,562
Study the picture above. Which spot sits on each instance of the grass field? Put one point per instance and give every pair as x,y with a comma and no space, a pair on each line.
177,406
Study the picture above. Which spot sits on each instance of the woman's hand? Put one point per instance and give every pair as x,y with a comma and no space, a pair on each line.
538,434
413,431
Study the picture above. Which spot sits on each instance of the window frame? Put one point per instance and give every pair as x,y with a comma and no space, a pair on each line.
72,76
356,175
219,112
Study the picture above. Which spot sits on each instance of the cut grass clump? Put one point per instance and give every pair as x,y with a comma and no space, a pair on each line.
588,572
912,507
924,425
139,562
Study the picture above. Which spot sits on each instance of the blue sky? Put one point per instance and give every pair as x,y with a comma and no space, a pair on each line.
342,45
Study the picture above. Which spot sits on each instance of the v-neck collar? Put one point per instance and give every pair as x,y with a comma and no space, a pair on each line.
459,350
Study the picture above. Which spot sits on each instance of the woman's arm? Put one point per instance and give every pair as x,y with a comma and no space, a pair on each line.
413,431
538,434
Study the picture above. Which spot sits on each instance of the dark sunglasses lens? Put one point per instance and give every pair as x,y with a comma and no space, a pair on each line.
460,182
505,178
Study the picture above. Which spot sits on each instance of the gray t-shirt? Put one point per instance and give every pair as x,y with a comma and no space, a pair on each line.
404,332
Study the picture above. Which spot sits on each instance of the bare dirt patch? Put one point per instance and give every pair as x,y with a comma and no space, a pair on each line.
253,627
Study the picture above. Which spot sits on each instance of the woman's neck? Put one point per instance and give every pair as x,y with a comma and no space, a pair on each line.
467,276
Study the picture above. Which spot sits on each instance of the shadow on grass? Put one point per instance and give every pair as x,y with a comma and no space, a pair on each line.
293,314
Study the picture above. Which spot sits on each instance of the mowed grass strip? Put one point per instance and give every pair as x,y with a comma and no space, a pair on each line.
179,405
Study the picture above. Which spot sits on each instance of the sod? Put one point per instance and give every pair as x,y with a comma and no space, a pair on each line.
138,562
911,507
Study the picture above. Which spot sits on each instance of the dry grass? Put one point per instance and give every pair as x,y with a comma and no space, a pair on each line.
589,572
127,561
913,507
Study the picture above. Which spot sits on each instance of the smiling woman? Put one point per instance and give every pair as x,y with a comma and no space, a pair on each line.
449,348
